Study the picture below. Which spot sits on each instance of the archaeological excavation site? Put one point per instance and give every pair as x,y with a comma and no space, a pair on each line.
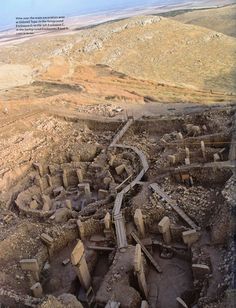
123,212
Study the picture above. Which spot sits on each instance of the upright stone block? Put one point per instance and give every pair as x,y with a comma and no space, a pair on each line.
172,159
139,270
29,265
107,221
144,304
164,228
112,160
138,219
80,175
81,267
77,253
65,179
37,290
47,203
87,191
203,149
107,180
81,229
180,136
39,182
120,169
49,180
187,152
39,168
46,239
200,271
102,194
34,205
32,266
69,204
187,161
216,157
190,237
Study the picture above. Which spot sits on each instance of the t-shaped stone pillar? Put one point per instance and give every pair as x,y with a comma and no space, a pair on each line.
138,219
139,270
78,260
164,228
65,179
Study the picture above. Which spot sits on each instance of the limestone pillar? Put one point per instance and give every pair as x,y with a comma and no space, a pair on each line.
47,203
172,159
203,149
187,161
81,267
164,228
81,229
39,168
144,304
32,266
107,221
65,179
138,219
139,271
187,152
120,169
102,194
180,136
39,182
200,271
87,191
216,157
80,175
49,180
190,237
69,204
37,290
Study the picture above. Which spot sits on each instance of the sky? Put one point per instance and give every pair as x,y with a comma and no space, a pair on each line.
10,9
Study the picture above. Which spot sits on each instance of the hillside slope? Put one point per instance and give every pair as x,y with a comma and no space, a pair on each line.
220,19
154,49
163,50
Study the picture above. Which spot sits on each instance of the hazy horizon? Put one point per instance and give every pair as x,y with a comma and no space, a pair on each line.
11,9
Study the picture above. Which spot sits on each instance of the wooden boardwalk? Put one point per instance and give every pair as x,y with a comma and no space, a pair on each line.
174,206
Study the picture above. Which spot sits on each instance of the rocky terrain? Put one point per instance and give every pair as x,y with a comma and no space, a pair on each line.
117,165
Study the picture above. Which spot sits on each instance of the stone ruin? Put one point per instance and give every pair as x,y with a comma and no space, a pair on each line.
133,223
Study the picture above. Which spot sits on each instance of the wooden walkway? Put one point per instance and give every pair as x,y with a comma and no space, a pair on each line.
174,206
146,252
117,214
